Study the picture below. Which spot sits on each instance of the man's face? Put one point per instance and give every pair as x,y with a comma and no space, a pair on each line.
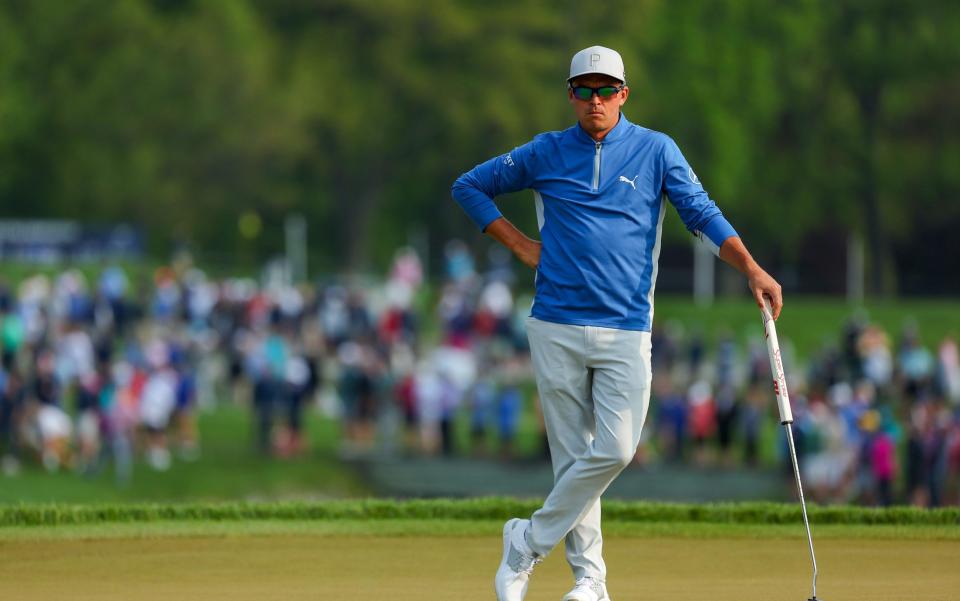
598,115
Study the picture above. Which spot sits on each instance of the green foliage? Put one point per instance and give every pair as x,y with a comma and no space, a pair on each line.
799,117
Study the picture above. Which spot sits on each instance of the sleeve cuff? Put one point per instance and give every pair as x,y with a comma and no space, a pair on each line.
487,216
716,231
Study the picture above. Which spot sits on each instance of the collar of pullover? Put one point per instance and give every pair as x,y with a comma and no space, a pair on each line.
618,131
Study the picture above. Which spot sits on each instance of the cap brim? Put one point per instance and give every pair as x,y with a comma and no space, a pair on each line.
572,77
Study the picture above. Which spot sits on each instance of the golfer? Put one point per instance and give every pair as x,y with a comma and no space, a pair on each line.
600,189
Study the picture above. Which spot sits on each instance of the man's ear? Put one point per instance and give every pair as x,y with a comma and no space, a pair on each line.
626,93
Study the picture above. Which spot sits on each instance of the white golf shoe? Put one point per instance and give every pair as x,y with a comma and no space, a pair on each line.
588,589
518,562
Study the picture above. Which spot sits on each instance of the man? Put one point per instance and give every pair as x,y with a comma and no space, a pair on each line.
599,188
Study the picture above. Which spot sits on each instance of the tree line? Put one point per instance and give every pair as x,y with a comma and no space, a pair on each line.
807,120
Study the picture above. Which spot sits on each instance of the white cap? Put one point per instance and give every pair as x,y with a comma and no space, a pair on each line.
597,59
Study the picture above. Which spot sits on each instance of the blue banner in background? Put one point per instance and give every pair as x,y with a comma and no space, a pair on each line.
55,241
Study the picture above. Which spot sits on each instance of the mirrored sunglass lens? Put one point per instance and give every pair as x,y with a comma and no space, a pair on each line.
582,93
606,91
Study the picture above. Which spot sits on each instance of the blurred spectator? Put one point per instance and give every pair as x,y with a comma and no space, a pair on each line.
671,417
183,417
113,288
852,362
915,364
510,404
118,416
880,459
12,337
952,480
459,262
926,454
948,371
300,380
12,401
87,413
703,420
483,402
829,462
358,391
404,392
428,392
754,405
876,361
728,405
157,403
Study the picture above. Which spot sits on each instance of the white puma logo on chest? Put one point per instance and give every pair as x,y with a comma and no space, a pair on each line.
632,182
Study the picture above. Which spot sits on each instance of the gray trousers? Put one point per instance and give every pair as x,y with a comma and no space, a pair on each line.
594,386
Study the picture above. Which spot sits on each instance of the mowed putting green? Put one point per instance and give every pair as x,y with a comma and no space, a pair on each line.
402,560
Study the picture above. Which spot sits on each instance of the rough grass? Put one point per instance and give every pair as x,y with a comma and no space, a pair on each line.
477,509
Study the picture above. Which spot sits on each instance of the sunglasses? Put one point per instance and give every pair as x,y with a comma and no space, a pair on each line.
585,93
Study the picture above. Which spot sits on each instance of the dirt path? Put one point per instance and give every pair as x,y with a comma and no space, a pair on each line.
293,568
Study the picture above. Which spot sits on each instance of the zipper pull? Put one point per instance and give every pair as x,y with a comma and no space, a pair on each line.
596,167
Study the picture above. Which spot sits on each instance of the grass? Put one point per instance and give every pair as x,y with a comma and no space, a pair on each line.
810,323
473,509
460,528
254,561
228,469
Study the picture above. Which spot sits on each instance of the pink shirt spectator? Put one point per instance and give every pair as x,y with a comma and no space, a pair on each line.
883,457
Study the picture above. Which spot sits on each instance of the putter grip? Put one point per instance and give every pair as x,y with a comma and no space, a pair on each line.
776,364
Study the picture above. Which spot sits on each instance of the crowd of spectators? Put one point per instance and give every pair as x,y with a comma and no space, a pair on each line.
875,422
108,371
875,412
102,373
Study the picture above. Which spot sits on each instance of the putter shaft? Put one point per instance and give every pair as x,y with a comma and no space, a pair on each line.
803,504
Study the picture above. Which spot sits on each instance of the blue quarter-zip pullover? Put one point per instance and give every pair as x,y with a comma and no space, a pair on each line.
600,208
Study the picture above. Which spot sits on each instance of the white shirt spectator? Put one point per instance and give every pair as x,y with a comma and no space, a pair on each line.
159,398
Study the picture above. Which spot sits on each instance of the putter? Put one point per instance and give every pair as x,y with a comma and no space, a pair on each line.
786,418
